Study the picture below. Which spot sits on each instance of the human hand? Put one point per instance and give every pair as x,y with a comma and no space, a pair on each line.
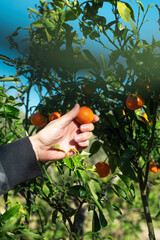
64,132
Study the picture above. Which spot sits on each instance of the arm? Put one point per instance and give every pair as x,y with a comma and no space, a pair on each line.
18,160
18,163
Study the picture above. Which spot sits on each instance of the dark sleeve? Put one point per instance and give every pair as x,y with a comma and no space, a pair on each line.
18,163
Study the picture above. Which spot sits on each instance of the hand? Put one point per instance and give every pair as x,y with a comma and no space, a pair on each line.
64,132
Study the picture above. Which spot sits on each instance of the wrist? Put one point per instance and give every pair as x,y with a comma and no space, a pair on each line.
33,140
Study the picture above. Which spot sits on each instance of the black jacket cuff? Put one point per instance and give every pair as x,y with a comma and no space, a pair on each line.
18,163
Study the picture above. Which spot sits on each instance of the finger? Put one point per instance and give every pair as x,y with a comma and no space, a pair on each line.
95,119
68,117
83,137
87,127
84,144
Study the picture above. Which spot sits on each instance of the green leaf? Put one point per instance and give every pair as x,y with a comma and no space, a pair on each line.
124,11
103,63
77,160
110,210
54,216
11,224
34,11
121,192
6,59
70,15
103,221
69,162
29,235
94,35
12,109
90,57
94,147
95,188
125,179
134,28
37,24
121,26
132,191
84,176
11,212
125,164
9,134
2,94
49,37
150,6
78,191
8,79
127,155
58,147
49,24
95,222
113,57
141,5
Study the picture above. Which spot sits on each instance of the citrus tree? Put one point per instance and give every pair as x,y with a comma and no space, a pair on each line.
125,93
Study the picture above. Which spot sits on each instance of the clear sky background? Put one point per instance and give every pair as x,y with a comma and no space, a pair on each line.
14,13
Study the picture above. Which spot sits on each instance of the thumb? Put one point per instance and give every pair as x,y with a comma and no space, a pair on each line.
68,117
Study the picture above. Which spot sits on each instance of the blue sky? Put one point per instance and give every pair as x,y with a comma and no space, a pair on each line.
14,13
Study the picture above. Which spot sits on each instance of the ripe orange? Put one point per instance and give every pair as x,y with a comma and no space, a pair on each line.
102,169
85,115
134,102
54,115
153,167
38,119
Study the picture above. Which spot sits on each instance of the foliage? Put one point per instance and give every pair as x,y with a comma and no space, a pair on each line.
11,128
56,63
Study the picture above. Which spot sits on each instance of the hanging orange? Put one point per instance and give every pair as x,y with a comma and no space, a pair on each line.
153,168
85,115
38,119
134,102
54,115
102,169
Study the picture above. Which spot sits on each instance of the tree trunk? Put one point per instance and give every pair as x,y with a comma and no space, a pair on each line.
148,217
147,214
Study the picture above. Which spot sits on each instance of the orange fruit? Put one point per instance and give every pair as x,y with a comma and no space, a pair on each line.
85,115
102,169
153,167
54,115
38,119
134,102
